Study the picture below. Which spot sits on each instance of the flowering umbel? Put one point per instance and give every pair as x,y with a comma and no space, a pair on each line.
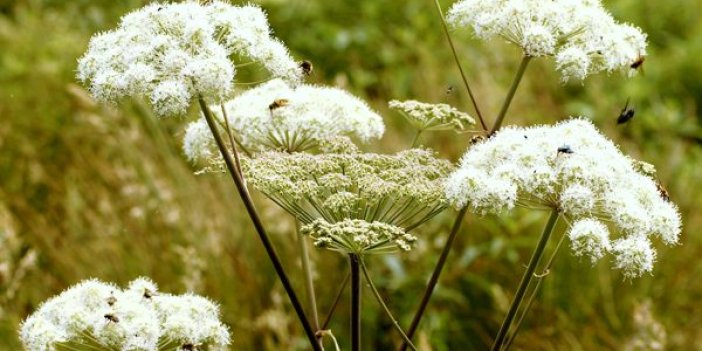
341,195
275,116
100,316
572,168
580,34
170,53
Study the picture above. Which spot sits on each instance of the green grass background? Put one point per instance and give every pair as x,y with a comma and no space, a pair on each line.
88,191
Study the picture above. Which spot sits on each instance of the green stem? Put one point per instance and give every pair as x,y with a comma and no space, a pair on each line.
539,279
416,138
510,94
258,225
434,278
309,282
355,303
458,63
526,279
385,307
337,298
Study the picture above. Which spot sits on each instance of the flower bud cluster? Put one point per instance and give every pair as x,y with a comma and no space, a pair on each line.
358,236
341,183
574,169
170,53
101,316
424,116
581,35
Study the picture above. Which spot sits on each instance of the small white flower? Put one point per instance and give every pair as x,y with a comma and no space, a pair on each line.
276,116
581,35
135,319
589,237
170,53
634,256
569,167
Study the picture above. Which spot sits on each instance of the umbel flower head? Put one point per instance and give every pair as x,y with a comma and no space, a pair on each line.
572,168
351,201
169,53
100,316
274,116
424,116
581,35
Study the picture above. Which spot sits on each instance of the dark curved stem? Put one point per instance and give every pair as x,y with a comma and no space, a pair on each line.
434,277
253,214
460,68
327,320
355,303
526,279
510,94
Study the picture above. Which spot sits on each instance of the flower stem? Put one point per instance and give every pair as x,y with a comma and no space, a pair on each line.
416,138
385,307
355,303
434,278
539,279
526,279
510,94
458,63
307,272
253,214
337,298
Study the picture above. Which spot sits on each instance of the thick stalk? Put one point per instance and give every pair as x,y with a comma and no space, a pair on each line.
510,94
458,63
253,214
530,301
385,307
355,303
307,272
526,279
434,277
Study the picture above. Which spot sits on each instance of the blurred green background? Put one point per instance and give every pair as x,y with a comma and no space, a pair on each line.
88,191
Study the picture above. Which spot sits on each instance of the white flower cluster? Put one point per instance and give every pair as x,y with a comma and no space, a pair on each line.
278,117
358,236
581,35
101,316
424,116
172,52
570,167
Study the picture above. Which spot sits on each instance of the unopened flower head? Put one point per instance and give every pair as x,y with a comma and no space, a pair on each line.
580,34
343,185
570,167
275,116
170,53
99,315
424,116
358,236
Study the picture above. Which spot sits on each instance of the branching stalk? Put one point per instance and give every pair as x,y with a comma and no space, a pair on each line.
434,278
460,68
337,298
526,279
385,307
532,296
510,94
307,272
253,214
